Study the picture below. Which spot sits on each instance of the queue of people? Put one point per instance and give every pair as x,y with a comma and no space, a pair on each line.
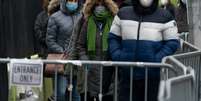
106,30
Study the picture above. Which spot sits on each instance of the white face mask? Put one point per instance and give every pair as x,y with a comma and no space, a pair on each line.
184,1
146,3
164,2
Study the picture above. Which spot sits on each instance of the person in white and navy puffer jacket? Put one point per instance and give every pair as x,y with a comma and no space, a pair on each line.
142,33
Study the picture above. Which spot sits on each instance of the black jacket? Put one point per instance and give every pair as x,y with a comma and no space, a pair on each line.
40,29
170,8
181,18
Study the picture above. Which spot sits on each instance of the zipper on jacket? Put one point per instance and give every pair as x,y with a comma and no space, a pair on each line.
138,37
101,28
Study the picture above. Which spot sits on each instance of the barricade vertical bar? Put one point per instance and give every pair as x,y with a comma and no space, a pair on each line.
198,79
55,83
146,84
85,84
167,73
71,82
186,36
116,83
193,62
199,82
101,83
131,84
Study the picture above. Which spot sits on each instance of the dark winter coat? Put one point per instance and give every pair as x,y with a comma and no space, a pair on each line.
181,18
94,72
60,28
170,8
62,32
146,38
40,29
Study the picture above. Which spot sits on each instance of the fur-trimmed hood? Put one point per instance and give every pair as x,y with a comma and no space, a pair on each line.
89,5
53,6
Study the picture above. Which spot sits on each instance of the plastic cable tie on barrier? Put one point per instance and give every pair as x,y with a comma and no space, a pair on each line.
140,64
107,63
77,63
100,96
70,88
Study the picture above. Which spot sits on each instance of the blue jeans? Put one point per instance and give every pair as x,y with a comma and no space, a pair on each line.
62,90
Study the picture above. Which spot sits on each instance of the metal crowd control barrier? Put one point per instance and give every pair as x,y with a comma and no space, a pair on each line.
185,48
185,87
187,56
176,74
106,64
190,56
193,60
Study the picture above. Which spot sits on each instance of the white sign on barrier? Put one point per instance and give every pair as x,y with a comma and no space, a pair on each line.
26,72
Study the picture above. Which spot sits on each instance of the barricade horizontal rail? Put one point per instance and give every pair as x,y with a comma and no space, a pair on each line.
186,47
103,63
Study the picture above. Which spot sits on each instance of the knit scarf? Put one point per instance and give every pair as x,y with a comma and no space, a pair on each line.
92,30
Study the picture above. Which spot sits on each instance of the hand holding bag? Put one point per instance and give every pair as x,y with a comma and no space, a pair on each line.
51,68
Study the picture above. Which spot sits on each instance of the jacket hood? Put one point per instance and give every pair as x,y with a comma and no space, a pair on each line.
53,6
89,5
181,4
140,10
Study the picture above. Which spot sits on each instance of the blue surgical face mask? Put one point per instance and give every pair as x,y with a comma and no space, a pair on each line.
99,9
72,6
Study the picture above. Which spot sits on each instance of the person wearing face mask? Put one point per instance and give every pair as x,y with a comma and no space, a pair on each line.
167,4
142,33
181,16
62,31
92,41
